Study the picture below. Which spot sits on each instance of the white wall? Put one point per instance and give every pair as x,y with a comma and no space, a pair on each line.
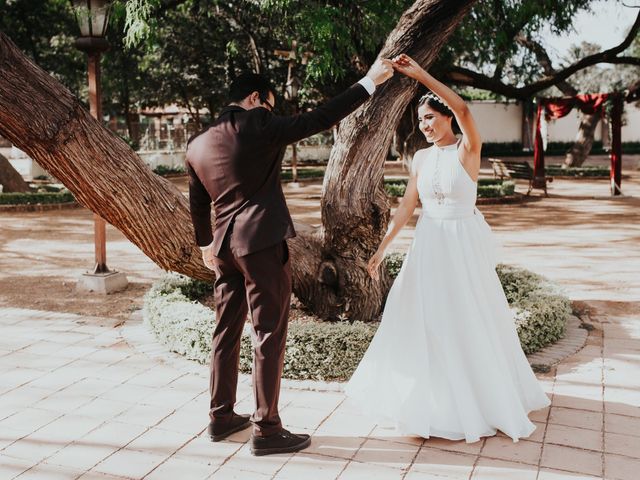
499,122
24,165
631,131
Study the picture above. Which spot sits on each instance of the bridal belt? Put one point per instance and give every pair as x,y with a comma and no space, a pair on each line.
449,211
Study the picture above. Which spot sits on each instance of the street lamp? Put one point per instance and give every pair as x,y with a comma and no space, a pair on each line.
93,18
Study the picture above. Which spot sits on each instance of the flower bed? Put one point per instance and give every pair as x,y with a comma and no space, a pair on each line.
331,351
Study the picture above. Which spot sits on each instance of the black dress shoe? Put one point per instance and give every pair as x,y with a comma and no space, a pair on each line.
281,442
237,423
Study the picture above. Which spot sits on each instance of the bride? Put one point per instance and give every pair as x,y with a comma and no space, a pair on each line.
446,360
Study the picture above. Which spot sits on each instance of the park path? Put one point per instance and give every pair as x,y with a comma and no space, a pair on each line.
88,396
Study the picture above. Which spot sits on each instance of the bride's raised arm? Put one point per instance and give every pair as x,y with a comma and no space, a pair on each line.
471,138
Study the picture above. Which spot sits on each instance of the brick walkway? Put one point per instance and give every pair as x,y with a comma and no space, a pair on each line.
82,399
86,397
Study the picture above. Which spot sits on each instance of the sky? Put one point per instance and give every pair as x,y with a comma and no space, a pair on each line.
607,25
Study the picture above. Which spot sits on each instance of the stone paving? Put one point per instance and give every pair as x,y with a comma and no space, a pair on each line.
87,397
82,399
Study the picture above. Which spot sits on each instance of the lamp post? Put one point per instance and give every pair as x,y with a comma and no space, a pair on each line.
93,18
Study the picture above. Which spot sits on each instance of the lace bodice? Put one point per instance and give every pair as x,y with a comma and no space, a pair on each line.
442,180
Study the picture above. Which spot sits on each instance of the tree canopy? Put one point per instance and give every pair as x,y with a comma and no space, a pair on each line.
186,51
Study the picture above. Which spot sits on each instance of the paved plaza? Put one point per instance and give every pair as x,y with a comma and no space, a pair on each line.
94,397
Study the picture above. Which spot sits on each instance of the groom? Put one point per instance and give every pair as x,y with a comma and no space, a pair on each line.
236,163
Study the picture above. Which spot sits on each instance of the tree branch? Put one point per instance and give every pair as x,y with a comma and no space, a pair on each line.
465,76
545,62
228,15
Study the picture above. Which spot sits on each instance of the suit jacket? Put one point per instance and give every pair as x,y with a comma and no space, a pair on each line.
236,163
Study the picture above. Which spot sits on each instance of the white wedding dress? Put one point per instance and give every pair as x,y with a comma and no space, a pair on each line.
446,360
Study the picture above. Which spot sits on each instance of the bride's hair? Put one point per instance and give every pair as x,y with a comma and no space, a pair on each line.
434,102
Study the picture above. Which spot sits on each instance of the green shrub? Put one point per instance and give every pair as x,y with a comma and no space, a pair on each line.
49,188
393,262
508,188
540,309
515,149
395,188
303,173
318,351
487,187
163,170
558,170
489,181
332,351
15,198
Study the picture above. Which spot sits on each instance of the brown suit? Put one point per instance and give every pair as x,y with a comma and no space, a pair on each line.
236,162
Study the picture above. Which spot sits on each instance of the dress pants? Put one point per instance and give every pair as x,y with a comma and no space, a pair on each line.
259,282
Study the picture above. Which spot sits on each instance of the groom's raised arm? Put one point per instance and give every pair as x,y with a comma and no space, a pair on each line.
285,130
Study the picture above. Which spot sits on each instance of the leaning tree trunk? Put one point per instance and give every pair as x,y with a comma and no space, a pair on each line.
581,148
355,209
42,118
108,177
10,179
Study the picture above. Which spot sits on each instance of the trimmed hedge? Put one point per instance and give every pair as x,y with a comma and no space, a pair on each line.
557,170
515,149
303,173
332,350
15,198
317,351
487,187
164,170
540,309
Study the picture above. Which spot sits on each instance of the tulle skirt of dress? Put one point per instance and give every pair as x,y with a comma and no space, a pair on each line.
446,360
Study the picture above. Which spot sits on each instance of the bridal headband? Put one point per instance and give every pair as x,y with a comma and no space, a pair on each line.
432,96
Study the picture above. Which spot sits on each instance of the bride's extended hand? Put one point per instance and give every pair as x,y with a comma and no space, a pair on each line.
374,264
406,65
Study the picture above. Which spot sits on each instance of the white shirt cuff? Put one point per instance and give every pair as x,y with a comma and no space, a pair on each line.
367,83
208,246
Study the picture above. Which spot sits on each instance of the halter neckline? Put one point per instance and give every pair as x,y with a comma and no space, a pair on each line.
448,147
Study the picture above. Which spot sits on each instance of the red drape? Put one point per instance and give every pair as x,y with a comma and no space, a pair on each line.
560,107
616,145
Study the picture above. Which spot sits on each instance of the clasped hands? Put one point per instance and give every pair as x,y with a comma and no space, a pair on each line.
382,69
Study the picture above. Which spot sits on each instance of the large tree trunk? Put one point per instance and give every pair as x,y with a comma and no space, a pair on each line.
329,271
42,118
581,148
355,210
10,179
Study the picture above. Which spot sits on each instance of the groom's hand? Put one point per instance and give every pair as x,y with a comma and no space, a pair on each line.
406,65
381,71
207,257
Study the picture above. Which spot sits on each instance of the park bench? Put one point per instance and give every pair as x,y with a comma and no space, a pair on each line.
519,169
